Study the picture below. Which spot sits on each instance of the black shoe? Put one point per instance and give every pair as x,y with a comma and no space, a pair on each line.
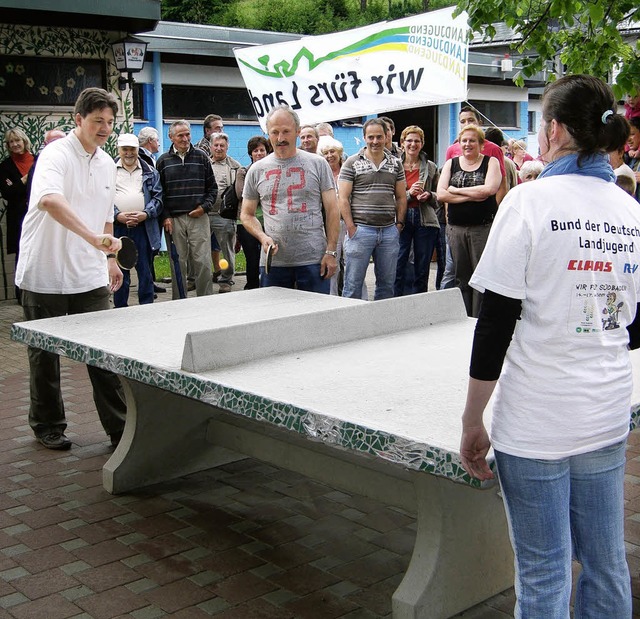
215,276
55,440
159,288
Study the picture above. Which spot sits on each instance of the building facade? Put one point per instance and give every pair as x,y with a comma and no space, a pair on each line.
48,54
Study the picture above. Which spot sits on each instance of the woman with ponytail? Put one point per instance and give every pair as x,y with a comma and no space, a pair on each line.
561,290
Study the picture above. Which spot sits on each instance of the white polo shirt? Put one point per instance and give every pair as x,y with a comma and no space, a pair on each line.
54,260
129,195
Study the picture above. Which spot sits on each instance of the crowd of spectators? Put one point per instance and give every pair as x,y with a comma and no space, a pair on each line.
396,207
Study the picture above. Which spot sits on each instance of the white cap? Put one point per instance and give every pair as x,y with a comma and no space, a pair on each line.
127,139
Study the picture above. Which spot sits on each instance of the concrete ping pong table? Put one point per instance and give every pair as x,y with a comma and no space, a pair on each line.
365,397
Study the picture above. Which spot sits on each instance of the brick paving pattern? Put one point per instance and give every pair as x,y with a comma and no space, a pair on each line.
242,541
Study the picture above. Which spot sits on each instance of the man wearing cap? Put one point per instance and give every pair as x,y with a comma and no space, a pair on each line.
137,205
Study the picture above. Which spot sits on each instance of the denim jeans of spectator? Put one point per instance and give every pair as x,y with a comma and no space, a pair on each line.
559,509
441,257
225,233
138,235
424,242
306,277
381,243
449,275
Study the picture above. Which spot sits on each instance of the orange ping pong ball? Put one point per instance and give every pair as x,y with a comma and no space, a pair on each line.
224,264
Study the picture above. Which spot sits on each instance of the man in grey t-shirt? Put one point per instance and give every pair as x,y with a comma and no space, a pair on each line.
292,187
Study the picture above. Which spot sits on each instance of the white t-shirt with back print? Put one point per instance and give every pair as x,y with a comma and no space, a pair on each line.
569,247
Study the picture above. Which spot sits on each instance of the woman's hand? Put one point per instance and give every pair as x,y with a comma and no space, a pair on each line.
474,446
416,189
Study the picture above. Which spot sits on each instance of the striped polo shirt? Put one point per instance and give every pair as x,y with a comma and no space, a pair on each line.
373,201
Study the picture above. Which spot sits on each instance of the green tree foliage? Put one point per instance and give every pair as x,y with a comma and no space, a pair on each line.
187,11
300,16
583,35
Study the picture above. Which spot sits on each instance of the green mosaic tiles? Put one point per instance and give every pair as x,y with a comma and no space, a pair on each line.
315,426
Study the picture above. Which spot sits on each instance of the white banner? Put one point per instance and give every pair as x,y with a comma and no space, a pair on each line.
411,62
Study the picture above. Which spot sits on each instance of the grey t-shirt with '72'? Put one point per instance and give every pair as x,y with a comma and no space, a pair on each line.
290,193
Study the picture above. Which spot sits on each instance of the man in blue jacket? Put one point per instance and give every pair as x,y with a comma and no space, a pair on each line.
138,204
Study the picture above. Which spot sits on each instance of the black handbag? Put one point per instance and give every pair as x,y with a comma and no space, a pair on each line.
229,201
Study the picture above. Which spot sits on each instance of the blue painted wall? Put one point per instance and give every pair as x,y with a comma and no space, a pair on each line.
518,134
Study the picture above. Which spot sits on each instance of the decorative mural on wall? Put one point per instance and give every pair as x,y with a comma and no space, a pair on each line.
47,81
80,56
42,70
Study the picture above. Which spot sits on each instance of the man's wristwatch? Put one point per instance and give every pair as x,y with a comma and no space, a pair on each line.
111,255
328,252
400,223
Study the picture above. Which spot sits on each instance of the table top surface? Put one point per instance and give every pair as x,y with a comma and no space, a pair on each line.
396,396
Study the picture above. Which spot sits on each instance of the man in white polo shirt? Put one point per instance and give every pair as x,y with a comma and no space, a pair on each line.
63,268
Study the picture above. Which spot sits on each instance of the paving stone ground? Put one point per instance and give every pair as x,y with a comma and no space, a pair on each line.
242,541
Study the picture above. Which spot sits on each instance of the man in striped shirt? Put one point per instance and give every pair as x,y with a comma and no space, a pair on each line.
373,204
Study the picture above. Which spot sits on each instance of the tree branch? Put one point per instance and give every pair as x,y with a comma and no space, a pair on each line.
526,35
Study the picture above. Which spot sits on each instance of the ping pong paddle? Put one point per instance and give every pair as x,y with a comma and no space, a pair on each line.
127,255
267,264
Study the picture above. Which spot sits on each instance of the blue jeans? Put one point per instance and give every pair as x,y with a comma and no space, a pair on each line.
424,241
449,275
224,231
383,244
138,235
306,277
563,508
441,253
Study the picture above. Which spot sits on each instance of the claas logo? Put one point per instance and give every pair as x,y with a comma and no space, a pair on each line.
590,265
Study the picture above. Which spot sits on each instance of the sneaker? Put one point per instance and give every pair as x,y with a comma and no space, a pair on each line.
157,288
191,286
216,275
224,287
55,440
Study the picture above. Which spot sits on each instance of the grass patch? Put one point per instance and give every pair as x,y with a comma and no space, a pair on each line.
163,269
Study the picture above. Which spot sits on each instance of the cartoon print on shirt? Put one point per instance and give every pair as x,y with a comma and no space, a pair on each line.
611,312
595,307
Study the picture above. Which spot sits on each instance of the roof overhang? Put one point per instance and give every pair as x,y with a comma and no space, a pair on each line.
117,15
203,40
202,44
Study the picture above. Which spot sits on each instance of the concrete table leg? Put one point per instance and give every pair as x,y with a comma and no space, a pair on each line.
164,438
462,555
